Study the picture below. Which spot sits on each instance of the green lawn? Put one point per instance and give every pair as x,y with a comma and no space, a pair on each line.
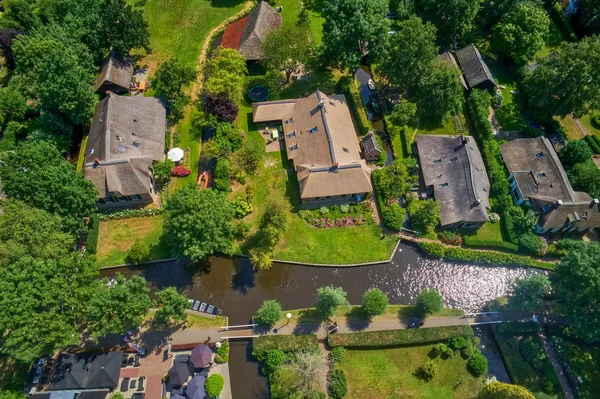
488,236
571,129
389,373
587,123
117,236
585,361
451,126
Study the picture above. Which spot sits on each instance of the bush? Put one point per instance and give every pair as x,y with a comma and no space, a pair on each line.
269,313
221,175
477,364
271,360
450,237
468,351
241,207
337,354
139,252
285,343
532,352
92,234
448,353
338,386
355,102
374,302
594,145
548,386
394,338
533,244
393,216
429,301
329,298
214,385
438,349
428,370
223,353
517,328
424,213
595,120
458,343
130,213
181,171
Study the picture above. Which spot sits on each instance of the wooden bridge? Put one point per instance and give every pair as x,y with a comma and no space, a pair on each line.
240,331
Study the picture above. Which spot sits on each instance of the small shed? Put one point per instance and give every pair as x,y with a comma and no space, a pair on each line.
474,69
370,147
115,75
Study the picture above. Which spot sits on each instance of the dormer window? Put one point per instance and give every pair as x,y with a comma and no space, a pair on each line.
539,154
345,149
545,208
136,144
292,134
294,147
313,130
542,175
288,121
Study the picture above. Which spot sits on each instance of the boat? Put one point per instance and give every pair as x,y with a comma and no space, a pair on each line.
203,307
203,180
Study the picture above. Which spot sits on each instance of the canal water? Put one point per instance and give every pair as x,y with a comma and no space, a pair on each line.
238,290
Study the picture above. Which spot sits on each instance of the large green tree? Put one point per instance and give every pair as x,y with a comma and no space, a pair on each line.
171,306
287,49
198,223
440,93
38,175
171,77
43,304
522,31
589,15
568,83
576,151
226,72
124,27
500,390
394,180
118,306
352,27
329,298
453,18
576,282
408,53
528,293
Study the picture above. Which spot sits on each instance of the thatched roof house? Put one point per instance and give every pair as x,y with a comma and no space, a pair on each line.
474,69
453,169
538,178
370,147
126,136
248,34
115,75
321,142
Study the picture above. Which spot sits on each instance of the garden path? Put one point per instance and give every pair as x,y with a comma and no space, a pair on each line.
562,378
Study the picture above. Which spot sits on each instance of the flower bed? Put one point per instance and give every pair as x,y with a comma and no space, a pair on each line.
338,215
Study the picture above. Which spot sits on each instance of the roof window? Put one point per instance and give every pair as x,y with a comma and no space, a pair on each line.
437,161
541,174
294,147
288,121
292,134
444,185
453,159
122,148
585,216
313,130
539,154
345,149
545,208
136,144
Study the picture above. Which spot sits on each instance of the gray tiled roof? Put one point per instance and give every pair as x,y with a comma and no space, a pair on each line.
116,71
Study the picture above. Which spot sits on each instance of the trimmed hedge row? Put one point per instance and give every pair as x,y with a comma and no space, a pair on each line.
364,124
562,23
92,234
481,257
392,338
285,343
508,228
517,328
594,143
493,244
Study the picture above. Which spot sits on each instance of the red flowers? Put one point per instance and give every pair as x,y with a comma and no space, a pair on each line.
181,171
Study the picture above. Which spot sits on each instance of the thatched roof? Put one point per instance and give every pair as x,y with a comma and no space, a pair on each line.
321,140
474,68
127,134
453,166
259,23
115,71
370,146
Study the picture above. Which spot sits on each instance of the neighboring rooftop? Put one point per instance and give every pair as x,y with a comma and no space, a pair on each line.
86,371
370,146
453,166
127,134
321,140
248,34
474,68
116,72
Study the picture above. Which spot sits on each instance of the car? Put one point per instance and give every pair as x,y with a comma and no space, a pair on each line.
371,84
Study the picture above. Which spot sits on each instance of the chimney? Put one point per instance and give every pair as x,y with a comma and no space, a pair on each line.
464,140
558,203
96,161
321,103
335,166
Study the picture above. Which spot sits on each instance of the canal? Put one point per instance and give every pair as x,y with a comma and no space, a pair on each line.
238,290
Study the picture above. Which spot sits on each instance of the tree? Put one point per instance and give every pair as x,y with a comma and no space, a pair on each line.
222,107
273,224
408,53
269,313
425,213
500,390
250,156
528,292
338,385
586,177
13,106
7,36
214,385
171,77
39,176
522,31
568,83
374,302
523,220
43,304
119,306
353,27
576,151
20,14
171,306
453,18
286,49
139,252
428,370
589,15
162,171
440,93
492,11
271,359
301,376
221,175
393,181
198,223
429,302
329,298
226,72
403,113
124,27
576,282
477,364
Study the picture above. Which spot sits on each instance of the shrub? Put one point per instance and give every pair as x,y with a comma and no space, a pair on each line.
338,386
450,237
532,352
596,120
223,353
517,328
221,175
285,343
214,385
594,145
323,210
269,313
241,207
344,208
428,370
271,360
425,213
181,171
337,354
355,101
139,252
448,353
374,302
393,216
533,243
477,364
328,300
429,301
92,234
438,349
391,338
458,343
222,107
468,351
130,213
241,229
548,386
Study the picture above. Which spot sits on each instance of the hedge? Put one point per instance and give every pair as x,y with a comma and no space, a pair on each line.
285,343
362,119
517,328
92,234
592,143
393,338
493,244
508,228
481,257
562,23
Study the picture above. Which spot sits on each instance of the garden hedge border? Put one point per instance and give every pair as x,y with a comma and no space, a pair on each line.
518,328
397,338
92,234
362,119
285,343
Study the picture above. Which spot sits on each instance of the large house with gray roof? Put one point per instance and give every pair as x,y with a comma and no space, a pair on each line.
538,179
454,173
321,142
126,137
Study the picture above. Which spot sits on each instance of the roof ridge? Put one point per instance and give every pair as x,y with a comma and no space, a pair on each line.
558,164
106,123
326,126
471,180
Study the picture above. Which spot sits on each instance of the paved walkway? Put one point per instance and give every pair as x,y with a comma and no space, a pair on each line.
223,370
564,382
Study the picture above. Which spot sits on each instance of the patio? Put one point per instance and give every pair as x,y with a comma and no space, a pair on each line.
273,136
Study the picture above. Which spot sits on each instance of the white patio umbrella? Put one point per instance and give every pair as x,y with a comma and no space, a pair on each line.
175,154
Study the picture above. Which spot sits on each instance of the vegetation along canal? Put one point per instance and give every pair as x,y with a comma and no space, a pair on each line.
238,290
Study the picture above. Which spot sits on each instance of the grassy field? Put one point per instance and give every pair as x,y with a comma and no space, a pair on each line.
489,235
571,129
449,126
205,322
117,236
389,373
586,122
585,361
